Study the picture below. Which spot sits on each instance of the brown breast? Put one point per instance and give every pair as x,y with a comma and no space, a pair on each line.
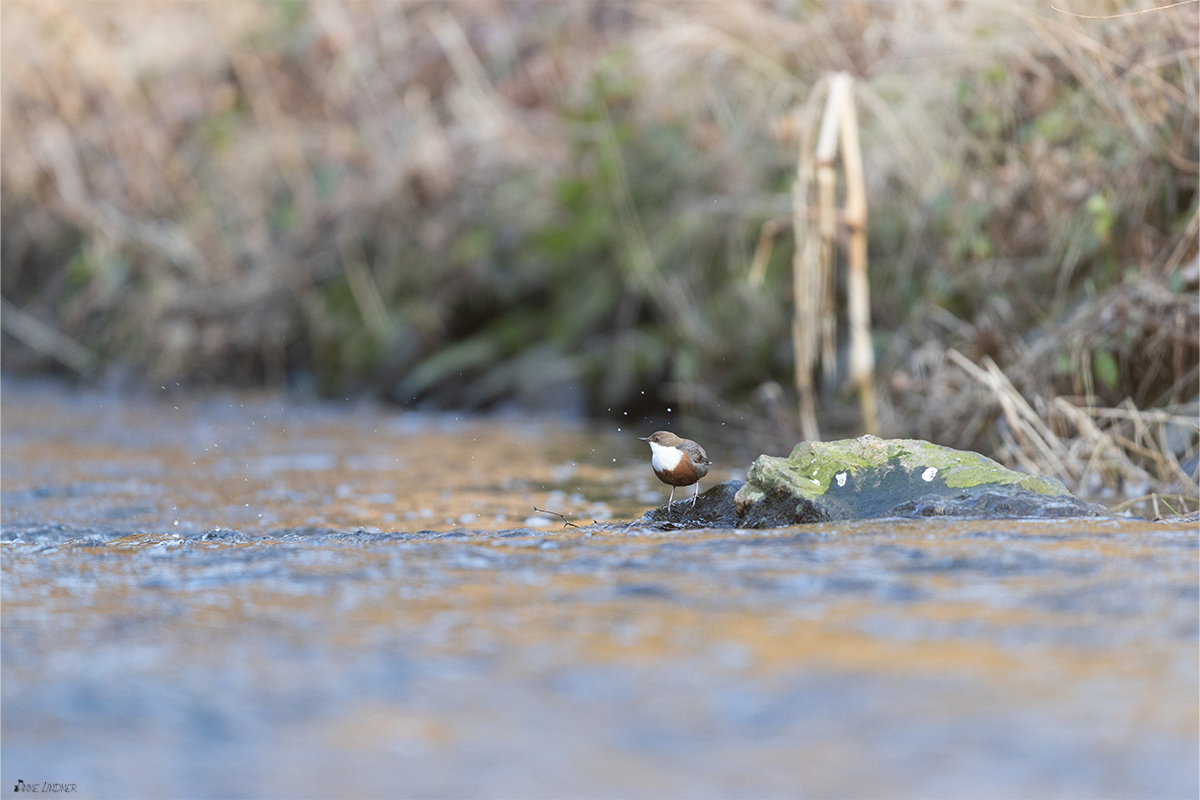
686,472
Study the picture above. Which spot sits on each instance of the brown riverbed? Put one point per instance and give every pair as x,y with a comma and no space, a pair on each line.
254,596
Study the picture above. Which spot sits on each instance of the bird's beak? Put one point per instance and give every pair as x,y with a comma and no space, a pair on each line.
643,438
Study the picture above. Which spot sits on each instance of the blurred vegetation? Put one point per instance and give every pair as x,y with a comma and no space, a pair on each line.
555,205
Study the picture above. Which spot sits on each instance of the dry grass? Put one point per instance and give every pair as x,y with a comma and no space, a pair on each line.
472,204
1129,437
1092,448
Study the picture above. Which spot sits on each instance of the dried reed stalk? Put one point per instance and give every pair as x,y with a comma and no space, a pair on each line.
806,276
815,325
858,300
46,340
762,253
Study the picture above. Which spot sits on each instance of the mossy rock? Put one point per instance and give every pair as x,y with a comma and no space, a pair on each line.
872,477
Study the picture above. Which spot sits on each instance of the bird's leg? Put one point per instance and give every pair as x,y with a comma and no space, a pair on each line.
671,501
696,494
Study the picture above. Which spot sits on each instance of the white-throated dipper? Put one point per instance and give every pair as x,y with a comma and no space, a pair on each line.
677,462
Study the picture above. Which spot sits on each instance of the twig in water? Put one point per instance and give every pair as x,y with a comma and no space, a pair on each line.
566,522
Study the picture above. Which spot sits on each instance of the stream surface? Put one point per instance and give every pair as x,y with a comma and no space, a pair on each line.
248,595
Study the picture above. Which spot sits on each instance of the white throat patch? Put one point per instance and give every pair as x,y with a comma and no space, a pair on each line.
665,459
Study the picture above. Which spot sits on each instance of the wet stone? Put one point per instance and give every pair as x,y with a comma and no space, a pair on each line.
714,508
870,477
999,502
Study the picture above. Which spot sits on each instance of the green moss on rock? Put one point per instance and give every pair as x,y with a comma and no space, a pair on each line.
815,464
873,477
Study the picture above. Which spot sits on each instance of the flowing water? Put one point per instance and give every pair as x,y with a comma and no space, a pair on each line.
251,596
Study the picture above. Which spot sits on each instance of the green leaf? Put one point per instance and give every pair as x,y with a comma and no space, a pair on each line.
1102,217
1105,368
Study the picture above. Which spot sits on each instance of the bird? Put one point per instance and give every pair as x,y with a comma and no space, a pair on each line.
677,462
